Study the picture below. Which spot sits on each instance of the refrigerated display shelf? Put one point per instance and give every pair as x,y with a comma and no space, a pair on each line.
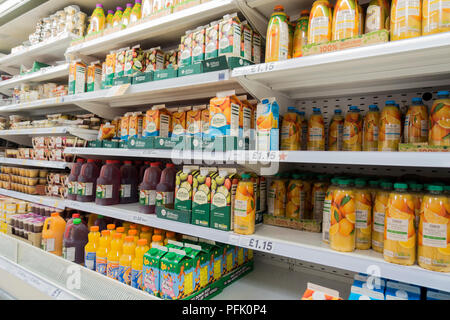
44,200
35,163
23,136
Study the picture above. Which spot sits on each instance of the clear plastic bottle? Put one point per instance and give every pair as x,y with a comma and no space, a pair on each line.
300,34
416,122
98,20
326,216
316,131
291,130
166,186
126,259
379,214
109,19
320,20
335,131
126,14
439,127
345,20
390,127
117,18
244,206
277,40
406,19
370,129
363,209
352,137
135,15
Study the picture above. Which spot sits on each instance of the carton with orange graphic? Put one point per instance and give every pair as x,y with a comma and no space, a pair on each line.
205,122
267,125
224,111
136,125
194,121
245,117
158,122
179,122
176,275
125,126
244,206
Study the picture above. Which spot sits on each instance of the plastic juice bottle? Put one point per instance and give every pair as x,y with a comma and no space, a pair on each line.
352,137
137,264
439,126
136,12
406,19
361,20
114,254
434,230
316,131
277,43
109,19
117,19
128,183
304,130
146,233
90,250
300,34
87,181
400,234
345,20
326,216
170,236
318,193
416,190
101,257
335,131
100,222
126,14
157,239
134,234
108,184
166,186
74,240
370,129
379,214
320,20
416,122
376,16
126,259
276,197
142,170
122,232
147,189
291,27
98,20
390,127
343,217
436,17
363,210
244,206
308,180
52,234
291,130
72,188
295,198
112,228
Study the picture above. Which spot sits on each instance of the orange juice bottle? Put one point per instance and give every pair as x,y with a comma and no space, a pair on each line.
112,266
376,16
157,239
326,217
112,229
244,206
363,210
436,16
276,197
277,40
434,231
345,20
90,250
291,130
335,131
390,127
379,214
296,198
146,233
52,234
98,19
109,19
320,18
416,122
343,217
399,230
352,137
300,34
417,192
126,260
373,189
406,19
137,264
101,258
370,129
316,131
439,126
318,193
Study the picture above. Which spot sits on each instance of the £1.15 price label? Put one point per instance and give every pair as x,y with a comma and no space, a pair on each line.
257,244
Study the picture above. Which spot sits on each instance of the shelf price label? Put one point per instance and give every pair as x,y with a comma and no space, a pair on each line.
263,156
257,244
139,219
253,69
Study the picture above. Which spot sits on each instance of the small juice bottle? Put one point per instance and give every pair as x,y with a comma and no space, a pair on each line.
316,131
113,258
109,19
101,257
352,137
343,218
326,217
406,19
137,264
363,209
117,19
90,250
126,259
345,20
126,14
370,129
335,131
318,193
157,239
390,127
122,232
296,198
416,122
320,20
136,12
244,206
304,130
300,34
417,192
436,16
277,43
98,20
276,197
434,230
290,130
399,231
439,126
146,233
133,233
379,214
112,229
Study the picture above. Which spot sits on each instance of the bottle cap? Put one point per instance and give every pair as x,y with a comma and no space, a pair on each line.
417,101
360,182
434,187
142,242
188,250
129,5
171,255
119,8
128,162
120,229
443,93
157,237
110,162
77,221
55,214
303,12
79,160
400,185
337,111
155,164
105,233
170,165
132,232
373,107
99,5
390,102
354,108
145,228
76,215
170,234
117,235
386,185
292,109
279,8
91,160
94,228
129,239
111,226
315,109
245,176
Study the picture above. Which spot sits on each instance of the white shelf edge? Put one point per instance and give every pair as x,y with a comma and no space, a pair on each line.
44,200
35,163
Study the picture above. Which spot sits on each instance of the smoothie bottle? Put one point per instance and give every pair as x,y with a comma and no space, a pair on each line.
117,19
296,198
244,206
113,258
137,264
126,14
316,131
345,20
436,17
108,184
109,19
277,43
74,241
439,126
101,256
166,186
128,183
52,234
352,137
406,19
363,210
98,19
390,127
90,250
147,189
300,34
126,259
276,197
136,12
415,128
320,20
87,181
72,180
326,216
291,130
100,222
335,131
370,129
379,214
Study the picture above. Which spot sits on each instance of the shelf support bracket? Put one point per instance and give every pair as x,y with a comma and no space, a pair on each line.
256,19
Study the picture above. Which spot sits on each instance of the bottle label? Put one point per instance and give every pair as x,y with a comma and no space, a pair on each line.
271,201
397,229
147,197
326,220
72,187
361,219
373,18
434,235
136,279
85,188
104,191
315,134
100,265
345,19
89,260
163,198
48,244
392,131
319,200
69,253
319,26
378,221
112,269
124,274
240,208
125,190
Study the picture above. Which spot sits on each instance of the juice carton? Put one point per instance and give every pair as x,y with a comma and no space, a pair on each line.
179,122
229,260
256,47
201,196
158,122
223,191
110,69
245,117
205,122
136,125
246,41
134,61
204,264
217,251
194,121
267,125
125,126
185,49
172,244
377,285
94,77
151,270
77,77
198,44
176,275
224,111
212,40
183,187
120,62
230,36
396,290
194,252
358,293
154,59
103,74
315,292
171,58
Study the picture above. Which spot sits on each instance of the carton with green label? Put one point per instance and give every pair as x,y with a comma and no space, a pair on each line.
201,196
194,252
183,187
229,260
152,269
176,275
217,249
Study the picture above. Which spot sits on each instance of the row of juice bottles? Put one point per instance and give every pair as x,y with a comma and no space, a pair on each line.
374,132
405,19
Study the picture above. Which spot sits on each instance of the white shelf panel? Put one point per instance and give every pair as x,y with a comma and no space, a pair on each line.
23,136
35,163
46,201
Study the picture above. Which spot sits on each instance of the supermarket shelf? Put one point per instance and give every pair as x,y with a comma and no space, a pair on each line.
411,63
46,201
35,163
23,136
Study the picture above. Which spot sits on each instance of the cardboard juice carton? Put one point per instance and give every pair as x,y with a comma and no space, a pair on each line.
152,269
212,40
224,111
201,196
316,292
194,252
267,125
158,122
230,36
240,256
204,266
136,124
172,244
103,74
125,126
176,275
134,61
358,293
185,49
120,62
110,69
396,290
256,47
246,41
205,122
194,121
229,261
94,77
218,250
223,191
245,117
179,122
77,77
183,187
198,44
154,59
171,58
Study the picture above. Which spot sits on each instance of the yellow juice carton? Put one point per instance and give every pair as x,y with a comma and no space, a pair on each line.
125,126
267,125
224,111
245,117
230,36
77,77
179,122
246,41
158,122
94,77
212,40
198,44
136,124
194,120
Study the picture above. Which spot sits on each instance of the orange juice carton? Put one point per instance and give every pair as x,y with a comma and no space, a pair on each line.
223,191
211,264
194,253
203,265
185,49
246,41
179,122
134,61
154,59
229,259
125,126
267,125
136,125
201,196
176,275
94,77
245,117
194,121
152,268
110,69
212,40
396,290
364,290
358,293
205,122
230,36
158,122
171,58
198,44
316,292
224,111
77,77
256,47
183,187
120,62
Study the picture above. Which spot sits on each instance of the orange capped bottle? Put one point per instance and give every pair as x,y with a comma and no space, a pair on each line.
277,40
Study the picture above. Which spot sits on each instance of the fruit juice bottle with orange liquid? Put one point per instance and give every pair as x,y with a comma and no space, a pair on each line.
300,34
415,128
277,40
439,125
276,197
363,210
379,214
109,19
345,20
406,19
308,181
352,137
390,127
316,131
370,129
291,130
434,231
320,20
326,216
342,226
244,206
304,130
418,194
376,16
335,131
97,20
435,16
296,197
318,193
399,230
373,189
